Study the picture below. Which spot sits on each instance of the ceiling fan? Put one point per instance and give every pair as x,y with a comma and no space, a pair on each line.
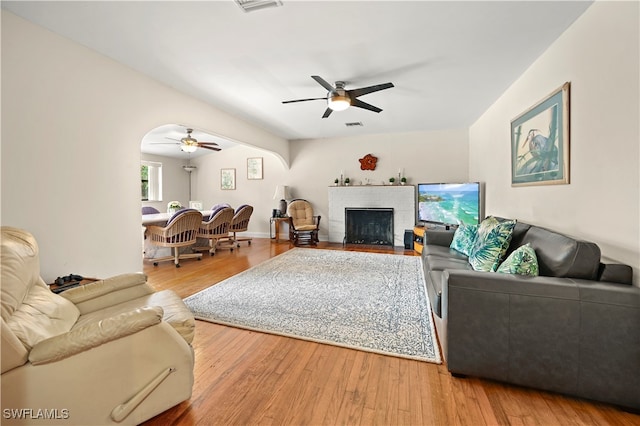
339,99
190,144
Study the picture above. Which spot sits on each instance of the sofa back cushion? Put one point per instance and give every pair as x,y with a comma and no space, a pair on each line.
29,310
562,256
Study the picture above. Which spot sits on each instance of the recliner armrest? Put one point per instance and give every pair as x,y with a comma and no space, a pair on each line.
95,334
108,292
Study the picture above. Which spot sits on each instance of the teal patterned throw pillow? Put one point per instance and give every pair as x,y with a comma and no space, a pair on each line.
491,244
523,261
464,238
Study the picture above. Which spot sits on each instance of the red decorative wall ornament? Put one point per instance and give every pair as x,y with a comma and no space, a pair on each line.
368,162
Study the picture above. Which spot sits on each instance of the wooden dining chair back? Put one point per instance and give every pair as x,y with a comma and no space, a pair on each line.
215,228
180,231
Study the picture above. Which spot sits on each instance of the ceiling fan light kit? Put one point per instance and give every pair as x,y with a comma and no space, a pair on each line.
338,102
188,147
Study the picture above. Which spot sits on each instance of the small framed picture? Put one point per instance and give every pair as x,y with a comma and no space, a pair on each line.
254,168
227,178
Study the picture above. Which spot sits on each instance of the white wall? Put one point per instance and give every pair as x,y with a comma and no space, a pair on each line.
256,192
424,157
599,55
72,123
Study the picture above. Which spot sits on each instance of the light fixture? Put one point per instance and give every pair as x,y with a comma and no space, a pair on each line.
338,102
282,194
252,5
338,99
189,168
186,147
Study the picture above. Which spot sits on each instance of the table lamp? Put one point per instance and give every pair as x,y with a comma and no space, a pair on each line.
282,194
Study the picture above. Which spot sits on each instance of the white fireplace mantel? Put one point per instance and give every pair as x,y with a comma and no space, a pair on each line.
402,198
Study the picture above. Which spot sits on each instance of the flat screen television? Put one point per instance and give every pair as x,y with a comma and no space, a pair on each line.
449,203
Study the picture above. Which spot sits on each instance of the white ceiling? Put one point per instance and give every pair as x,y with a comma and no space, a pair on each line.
449,60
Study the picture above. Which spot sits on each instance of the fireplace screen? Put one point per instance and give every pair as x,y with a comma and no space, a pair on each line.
371,226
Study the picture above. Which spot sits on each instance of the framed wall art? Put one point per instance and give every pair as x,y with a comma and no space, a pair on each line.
540,142
227,178
254,168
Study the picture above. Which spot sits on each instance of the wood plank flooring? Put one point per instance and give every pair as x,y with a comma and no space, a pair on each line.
249,378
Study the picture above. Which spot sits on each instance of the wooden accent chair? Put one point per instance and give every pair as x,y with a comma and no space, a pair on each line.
216,228
303,225
180,231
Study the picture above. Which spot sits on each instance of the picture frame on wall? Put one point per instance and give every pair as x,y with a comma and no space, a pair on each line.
254,168
540,142
227,179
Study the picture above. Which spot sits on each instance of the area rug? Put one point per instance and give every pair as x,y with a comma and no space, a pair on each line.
368,301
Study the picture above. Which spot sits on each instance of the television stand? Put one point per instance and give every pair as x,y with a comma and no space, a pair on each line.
418,238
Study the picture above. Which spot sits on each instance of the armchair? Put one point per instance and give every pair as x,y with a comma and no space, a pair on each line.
180,231
239,223
303,225
215,228
110,352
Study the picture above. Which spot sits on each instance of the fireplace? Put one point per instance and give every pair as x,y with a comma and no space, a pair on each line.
370,226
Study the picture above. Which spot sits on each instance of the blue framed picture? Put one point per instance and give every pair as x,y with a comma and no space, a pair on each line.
540,142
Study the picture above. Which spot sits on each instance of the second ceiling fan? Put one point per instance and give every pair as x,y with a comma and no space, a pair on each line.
190,144
339,99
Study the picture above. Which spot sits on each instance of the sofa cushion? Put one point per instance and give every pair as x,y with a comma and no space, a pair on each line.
31,311
464,238
433,250
42,315
491,244
562,256
522,261
439,263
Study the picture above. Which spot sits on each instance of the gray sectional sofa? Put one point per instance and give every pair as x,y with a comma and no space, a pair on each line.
574,329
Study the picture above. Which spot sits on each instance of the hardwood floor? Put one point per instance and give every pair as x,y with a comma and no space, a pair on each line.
249,378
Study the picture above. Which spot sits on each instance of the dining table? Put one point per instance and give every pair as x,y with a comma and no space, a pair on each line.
161,219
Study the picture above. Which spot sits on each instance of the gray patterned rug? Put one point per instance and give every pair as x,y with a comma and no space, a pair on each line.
368,301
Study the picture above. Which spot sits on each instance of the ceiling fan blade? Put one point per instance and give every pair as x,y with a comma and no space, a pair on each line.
209,147
165,143
208,143
327,112
304,100
322,82
177,140
358,103
369,89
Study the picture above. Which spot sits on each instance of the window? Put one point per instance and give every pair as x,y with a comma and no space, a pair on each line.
151,180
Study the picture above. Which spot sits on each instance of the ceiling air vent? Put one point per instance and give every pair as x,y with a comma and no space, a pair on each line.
252,5
353,124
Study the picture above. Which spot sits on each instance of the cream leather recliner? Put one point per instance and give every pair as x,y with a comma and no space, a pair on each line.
110,352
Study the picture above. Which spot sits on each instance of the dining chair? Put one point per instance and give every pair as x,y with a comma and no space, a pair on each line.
180,231
215,228
240,223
